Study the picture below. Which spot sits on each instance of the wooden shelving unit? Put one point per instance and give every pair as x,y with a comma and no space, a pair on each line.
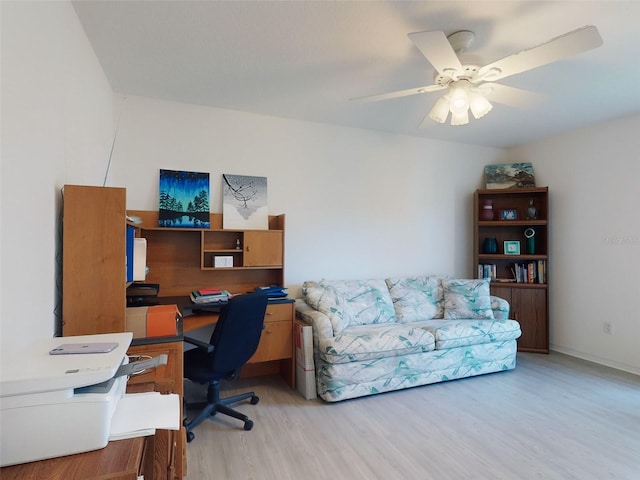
528,300
182,259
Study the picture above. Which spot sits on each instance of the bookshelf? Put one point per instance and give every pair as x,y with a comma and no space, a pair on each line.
512,248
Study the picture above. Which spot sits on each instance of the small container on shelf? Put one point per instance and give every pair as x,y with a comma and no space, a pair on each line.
532,211
487,210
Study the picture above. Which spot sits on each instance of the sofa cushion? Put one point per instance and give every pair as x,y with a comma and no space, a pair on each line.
416,298
368,342
462,333
350,302
467,299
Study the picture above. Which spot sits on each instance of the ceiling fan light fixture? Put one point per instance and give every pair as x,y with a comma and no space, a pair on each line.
440,110
470,85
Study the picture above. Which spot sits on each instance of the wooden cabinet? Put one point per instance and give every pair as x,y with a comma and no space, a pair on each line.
276,351
93,260
529,307
263,248
512,248
169,457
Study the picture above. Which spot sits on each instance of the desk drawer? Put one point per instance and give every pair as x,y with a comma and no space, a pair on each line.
277,312
276,342
167,378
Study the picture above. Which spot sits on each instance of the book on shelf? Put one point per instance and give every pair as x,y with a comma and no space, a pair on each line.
524,272
531,272
208,291
487,271
129,253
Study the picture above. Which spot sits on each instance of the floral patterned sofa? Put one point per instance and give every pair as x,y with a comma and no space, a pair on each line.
374,336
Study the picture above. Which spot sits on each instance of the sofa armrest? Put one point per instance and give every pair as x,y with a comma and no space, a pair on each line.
500,308
322,327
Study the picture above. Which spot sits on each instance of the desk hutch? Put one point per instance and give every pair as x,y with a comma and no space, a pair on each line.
180,260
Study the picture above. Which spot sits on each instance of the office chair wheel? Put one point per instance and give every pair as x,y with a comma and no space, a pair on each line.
190,436
255,399
248,425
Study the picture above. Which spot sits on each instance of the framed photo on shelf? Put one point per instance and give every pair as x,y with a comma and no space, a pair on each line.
511,247
509,214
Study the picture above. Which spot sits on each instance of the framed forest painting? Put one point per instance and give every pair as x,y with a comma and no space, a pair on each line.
244,202
184,199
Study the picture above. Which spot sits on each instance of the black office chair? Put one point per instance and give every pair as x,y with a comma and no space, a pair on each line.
234,340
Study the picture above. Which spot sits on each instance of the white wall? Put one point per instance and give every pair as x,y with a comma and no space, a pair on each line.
592,176
57,111
358,203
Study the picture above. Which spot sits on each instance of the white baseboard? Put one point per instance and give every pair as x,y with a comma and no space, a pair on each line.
596,359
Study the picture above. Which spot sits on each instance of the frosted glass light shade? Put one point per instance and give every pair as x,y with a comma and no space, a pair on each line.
479,105
459,100
460,118
440,110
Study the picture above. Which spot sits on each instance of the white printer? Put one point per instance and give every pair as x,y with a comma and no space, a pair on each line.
53,405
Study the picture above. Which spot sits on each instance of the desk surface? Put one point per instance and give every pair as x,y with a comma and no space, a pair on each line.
196,316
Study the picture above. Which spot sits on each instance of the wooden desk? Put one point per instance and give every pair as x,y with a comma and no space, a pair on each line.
168,457
276,351
119,460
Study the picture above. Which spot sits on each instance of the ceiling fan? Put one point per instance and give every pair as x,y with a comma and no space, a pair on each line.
471,87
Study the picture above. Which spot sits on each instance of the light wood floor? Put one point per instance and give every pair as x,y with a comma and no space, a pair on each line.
553,417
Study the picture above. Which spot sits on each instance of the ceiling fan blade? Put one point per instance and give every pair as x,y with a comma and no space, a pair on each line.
437,50
399,93
572,43
514,97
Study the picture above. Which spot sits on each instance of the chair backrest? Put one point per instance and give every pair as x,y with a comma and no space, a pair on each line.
237,333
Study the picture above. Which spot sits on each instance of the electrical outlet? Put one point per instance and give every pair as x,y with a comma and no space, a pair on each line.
608,328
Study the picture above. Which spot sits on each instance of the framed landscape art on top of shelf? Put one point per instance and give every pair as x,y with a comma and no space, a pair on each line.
509,175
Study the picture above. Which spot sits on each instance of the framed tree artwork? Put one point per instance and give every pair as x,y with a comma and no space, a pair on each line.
184,199
244,202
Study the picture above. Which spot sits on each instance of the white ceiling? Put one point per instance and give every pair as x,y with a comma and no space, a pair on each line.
305,59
